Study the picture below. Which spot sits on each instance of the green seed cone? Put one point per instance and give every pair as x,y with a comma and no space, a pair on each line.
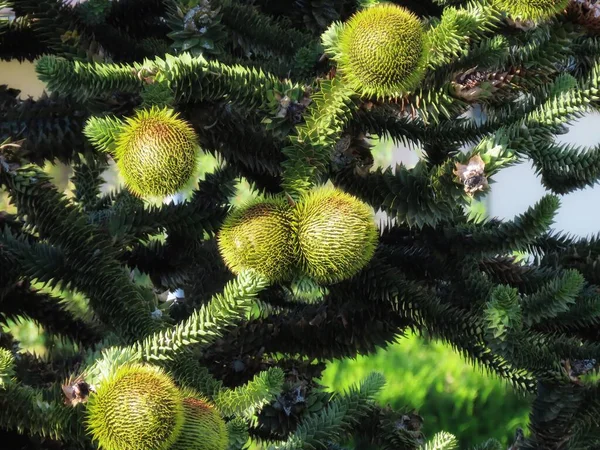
535,10
138,408
157,153
203,429
259,236
383,51
337,235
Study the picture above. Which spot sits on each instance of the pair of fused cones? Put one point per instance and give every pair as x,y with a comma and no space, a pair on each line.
139,407
327,235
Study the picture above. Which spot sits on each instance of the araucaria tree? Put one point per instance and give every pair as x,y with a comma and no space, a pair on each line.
197,325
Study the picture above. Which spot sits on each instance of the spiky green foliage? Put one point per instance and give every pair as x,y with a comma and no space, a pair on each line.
316,137
157,153
138,407
207,323
383,51
441,441
84,80
488,82
456,31
557,297
188,77
259,236
535,10
103,132
41,412
7,362
238,434
491,444
336,234
340,415
78,249
258,34
246,400
203,428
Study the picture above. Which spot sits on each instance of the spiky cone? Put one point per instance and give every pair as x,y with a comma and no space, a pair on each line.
137,408
383,51
585,13
531,10
157,153
203,427
336,233
259,236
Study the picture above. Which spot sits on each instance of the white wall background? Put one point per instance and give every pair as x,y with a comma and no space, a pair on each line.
517,188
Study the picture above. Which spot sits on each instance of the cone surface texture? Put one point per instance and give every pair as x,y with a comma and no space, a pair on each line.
337,235
138,408
531,9
259,236
383,51
156,153
203,429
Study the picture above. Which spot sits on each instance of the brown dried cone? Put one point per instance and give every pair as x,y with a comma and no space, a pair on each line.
521,24
353,151
585,13
575,369
76,391
472,175
475,85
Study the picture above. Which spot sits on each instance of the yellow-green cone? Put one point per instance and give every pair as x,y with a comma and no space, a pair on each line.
138,408
336,233
535,10
383,51
203,428
157,153
259,236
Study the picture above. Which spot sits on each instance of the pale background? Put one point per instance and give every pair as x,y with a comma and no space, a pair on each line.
516,188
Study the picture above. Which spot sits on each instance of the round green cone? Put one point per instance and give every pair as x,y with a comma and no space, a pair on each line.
383,51
138,408
337,235
203,428
259,236
535,10
157,153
